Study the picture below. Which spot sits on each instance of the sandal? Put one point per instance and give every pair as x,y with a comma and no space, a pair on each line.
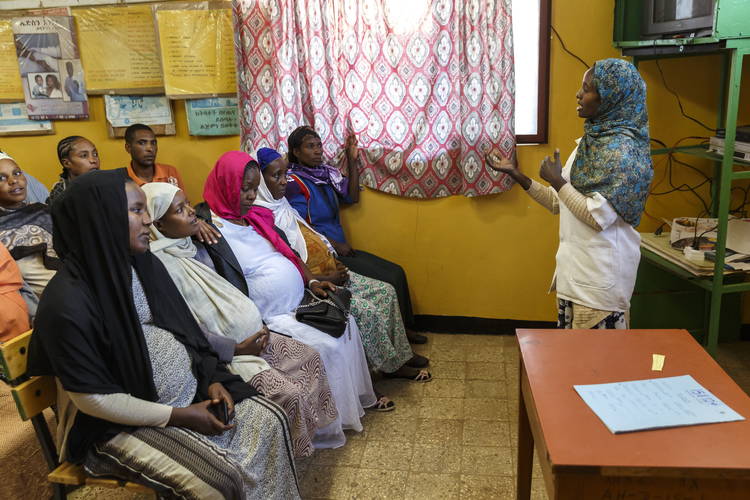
422,376
415,338
382,404
418,361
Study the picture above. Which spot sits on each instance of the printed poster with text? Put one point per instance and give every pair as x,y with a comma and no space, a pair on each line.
119,49
10,80
50,67
197,50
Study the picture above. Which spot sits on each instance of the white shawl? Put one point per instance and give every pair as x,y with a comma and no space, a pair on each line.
288,220
216,304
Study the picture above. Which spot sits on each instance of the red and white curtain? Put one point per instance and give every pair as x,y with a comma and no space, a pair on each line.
426,85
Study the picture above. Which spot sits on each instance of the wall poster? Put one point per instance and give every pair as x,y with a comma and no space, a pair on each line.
50,68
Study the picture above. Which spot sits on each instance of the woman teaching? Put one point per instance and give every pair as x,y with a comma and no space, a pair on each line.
600,195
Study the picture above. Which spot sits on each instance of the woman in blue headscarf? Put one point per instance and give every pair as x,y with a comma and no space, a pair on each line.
600,195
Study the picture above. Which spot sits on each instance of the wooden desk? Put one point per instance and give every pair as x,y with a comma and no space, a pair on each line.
582,460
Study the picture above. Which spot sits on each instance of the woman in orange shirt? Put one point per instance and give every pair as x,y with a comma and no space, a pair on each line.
13,309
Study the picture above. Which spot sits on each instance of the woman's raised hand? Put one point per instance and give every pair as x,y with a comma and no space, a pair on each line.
551,171
351,147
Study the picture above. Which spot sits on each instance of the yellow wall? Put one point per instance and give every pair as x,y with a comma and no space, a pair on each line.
489,257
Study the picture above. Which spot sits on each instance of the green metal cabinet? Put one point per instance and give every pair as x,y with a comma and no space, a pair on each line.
730,39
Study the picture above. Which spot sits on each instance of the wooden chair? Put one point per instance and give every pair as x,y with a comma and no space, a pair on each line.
32,396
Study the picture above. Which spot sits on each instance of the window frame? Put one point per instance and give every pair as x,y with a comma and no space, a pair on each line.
542,116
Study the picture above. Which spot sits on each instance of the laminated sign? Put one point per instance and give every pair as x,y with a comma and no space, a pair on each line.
196,43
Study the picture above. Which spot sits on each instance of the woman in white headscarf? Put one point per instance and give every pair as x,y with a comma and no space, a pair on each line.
283,369
374,303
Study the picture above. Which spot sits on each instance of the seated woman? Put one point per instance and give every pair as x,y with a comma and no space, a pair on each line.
13,309
78,156
316,193
374,303
25,229
284,370
138,384
275,278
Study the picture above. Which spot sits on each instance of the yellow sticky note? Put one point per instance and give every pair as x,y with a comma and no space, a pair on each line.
658,362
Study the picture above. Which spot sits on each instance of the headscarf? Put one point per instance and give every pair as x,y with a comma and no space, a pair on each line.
87,331
614,157
222,193
285,216
218,306
28,230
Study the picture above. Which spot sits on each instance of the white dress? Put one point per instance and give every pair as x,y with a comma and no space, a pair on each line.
276,287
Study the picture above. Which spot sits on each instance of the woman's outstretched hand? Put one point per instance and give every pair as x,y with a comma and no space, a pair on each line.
507,166
551,171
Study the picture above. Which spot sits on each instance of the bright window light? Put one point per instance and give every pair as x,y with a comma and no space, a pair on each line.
526,56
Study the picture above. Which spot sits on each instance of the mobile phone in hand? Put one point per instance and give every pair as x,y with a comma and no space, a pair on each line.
220,411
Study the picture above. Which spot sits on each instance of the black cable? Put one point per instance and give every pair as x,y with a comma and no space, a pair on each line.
684,188
679,101
562,44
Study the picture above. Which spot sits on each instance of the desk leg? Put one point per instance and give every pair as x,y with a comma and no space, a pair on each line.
525,445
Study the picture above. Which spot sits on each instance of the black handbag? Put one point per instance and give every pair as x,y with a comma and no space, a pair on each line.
329,314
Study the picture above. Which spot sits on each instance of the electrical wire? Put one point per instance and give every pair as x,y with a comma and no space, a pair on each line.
679,101
562,44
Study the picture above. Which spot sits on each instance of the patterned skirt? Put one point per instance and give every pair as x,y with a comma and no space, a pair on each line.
251,460
375,307
566,318
297,382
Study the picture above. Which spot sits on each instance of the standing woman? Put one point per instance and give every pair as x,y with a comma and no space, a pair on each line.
78,156
137,381
600,195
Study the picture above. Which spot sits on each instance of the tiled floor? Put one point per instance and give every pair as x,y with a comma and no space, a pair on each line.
451,438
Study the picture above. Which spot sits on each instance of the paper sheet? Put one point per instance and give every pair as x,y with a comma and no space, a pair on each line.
655,404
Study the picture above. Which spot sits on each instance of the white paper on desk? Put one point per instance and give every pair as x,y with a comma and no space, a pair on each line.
655,404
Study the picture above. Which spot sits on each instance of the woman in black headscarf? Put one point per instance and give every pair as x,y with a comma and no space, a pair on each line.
140,391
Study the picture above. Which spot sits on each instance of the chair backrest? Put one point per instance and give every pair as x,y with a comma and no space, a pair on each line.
13,356
32,395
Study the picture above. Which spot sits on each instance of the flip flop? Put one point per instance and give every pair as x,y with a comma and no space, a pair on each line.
418,361
382,404
421,377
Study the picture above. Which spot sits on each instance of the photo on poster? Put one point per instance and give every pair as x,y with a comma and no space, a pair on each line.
37,52
50,66
72,74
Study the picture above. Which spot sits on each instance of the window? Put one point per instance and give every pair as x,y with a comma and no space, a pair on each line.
531,38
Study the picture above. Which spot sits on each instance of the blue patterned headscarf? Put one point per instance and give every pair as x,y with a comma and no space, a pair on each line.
614,157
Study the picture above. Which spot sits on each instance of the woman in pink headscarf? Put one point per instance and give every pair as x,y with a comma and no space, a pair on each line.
276,279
